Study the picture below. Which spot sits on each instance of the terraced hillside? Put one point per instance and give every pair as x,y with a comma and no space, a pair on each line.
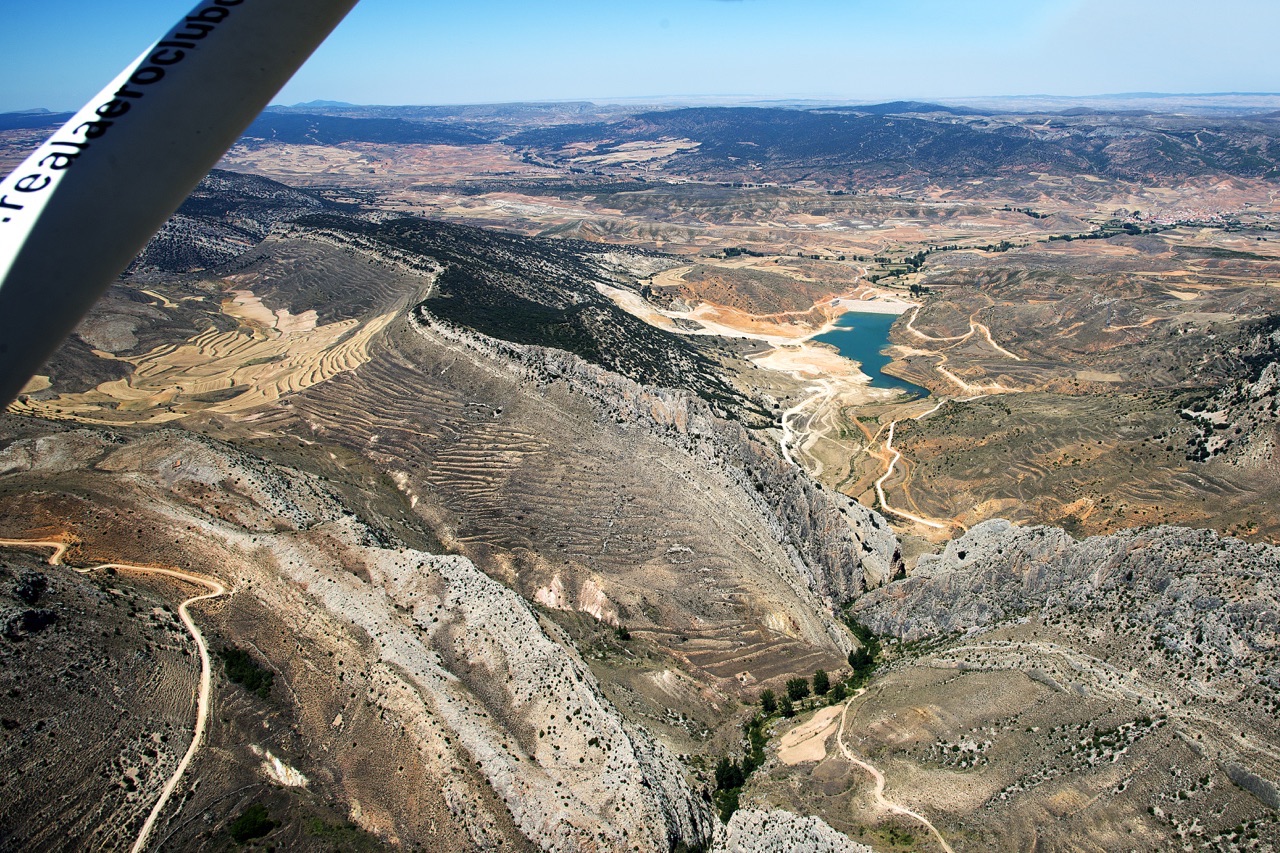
542,293
517,540
399,698
587,491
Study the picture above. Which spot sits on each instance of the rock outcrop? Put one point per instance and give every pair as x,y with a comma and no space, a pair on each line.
838,547
1210,603
1181,623
754,831
462,665
1239,422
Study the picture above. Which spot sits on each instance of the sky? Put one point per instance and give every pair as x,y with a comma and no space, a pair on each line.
57,56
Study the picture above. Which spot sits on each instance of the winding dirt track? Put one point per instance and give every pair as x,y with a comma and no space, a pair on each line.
216,590
884,501
877,792
977,392
955,340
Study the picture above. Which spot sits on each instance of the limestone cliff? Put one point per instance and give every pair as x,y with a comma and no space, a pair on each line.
753,831
457,663
838,547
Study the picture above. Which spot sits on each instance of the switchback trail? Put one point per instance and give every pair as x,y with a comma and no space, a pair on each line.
884,501
976,392
954,341
216,590
877,792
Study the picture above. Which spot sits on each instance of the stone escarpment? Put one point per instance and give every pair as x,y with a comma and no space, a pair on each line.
1183,624
754,831
1239,422
532,307
527,711
1197,593
838,547
450,659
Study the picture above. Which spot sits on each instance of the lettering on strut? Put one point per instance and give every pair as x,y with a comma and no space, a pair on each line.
58,155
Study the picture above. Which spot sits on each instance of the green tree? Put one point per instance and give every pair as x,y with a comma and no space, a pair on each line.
821,683
252,823
837,694
785,707
728,775
242,669
797,688
862,660
754,730
727,801
768,702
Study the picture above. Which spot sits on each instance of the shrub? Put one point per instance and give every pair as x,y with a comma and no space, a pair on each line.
797,688
252,823
242,669
821,683
728,774
727,801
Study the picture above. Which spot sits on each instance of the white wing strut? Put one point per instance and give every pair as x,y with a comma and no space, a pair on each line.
80,208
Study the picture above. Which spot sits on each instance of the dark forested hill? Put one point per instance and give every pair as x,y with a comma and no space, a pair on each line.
540,292
310,129
900,140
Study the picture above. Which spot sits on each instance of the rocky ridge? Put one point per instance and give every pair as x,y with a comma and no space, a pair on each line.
462,662
453,660
225,216
755,831
1209,601
838,547
1239,422
1179,621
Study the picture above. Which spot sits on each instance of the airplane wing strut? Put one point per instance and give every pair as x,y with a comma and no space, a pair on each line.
79,209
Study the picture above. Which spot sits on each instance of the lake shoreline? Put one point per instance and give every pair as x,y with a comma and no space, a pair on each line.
862,336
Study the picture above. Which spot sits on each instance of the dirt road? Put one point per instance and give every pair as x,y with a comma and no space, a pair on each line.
877,792
884,501
216,590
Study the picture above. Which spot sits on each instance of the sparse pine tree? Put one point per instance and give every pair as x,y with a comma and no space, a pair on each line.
821,683
768,702
728,775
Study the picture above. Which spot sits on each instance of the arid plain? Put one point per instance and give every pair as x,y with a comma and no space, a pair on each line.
530,478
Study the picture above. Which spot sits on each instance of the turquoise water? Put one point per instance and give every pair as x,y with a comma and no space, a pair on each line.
861,336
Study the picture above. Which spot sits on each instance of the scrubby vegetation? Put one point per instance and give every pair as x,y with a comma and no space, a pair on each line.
731,776
541,292
242,669
862,660
252,823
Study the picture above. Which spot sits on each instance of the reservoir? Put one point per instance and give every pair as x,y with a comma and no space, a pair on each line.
861,336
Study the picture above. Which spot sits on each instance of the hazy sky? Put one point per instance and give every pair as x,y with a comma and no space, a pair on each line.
58,55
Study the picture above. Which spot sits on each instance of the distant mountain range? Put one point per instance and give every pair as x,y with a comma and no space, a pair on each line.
833,144
313,129
32,119
899,140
